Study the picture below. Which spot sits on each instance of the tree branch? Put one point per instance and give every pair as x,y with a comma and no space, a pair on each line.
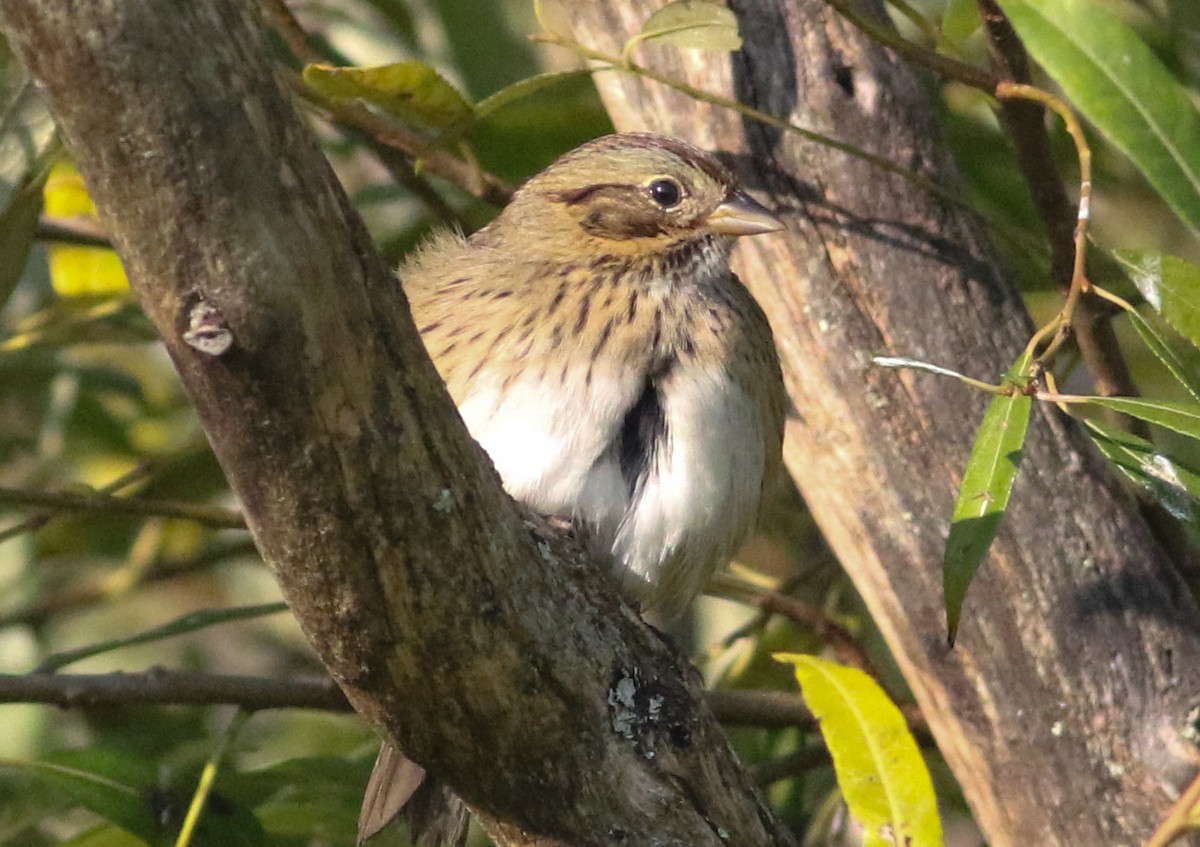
64,501
162,686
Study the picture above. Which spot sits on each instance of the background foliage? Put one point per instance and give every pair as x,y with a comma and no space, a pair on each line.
90,410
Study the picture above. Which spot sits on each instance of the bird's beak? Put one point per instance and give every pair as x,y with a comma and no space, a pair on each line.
741,214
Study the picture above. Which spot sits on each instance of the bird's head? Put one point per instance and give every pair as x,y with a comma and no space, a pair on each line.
629,194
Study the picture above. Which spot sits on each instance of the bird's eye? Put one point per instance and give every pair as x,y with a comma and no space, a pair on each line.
665,192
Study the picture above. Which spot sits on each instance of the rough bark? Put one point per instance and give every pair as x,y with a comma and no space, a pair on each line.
1067,710
496,656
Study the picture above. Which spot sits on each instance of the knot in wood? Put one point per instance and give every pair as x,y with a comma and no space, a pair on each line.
207,331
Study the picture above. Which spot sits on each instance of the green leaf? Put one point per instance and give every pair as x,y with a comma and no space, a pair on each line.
411,91
1183,418
26,145
1117,82
960,20
104,782
524,88
18,221
697,24
983,496
1170,285
1173,484
1176,361
879,766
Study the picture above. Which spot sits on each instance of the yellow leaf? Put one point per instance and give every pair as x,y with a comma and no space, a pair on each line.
697,24
879,767
411,91
78,271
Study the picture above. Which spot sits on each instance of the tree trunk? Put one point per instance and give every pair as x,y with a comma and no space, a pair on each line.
495,655
1068,707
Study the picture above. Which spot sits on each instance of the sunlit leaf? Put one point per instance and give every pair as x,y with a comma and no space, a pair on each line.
553,18
879,766
1183,418
983,496
411,91
697,24
1173,484
79,271
1161,345
960,20
1111,76
1170,285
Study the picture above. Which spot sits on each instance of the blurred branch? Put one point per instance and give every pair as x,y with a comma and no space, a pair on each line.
79,594
144,470
214,516
841,640
76,231
288,28
768,709
166,687
192,622
791,765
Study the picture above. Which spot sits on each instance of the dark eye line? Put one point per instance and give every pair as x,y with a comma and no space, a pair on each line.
581,195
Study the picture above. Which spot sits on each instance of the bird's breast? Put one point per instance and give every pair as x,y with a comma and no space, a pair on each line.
666,466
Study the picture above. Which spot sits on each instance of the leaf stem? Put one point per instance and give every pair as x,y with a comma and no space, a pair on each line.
207,777
1079,281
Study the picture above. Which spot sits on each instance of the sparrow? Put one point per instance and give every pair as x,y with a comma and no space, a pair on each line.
611,365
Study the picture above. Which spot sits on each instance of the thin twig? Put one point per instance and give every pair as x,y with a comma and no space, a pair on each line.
188,623
766,709
80,594
77,231
166,687
1024,120
789,766
61,501
287,27
843,643
144,470
1180,818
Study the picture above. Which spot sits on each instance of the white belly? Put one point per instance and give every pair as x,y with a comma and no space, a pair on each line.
556,449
